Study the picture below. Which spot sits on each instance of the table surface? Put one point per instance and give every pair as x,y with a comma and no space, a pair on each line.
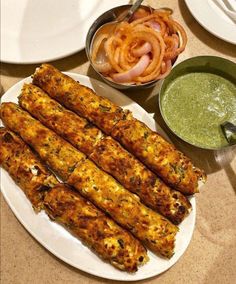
211,255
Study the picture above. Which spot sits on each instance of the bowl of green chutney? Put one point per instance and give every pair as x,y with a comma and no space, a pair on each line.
197,97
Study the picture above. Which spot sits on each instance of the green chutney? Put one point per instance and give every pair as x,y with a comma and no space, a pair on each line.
195,104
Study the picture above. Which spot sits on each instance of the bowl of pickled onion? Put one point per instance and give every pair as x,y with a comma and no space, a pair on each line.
137,53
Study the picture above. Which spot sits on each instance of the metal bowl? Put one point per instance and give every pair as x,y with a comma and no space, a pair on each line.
206,64
106,17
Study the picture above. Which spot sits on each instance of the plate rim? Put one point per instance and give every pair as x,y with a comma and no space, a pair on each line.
203,22
43,242
49,58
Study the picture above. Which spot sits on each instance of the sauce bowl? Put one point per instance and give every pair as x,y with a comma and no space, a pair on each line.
195,113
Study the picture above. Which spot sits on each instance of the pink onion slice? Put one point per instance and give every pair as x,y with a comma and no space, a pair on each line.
154,25
144,49
137,70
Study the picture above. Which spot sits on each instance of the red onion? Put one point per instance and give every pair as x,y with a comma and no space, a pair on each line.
137,70
144,49
154,25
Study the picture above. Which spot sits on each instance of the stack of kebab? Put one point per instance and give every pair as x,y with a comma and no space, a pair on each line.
106,153
74,168
157,154
111,242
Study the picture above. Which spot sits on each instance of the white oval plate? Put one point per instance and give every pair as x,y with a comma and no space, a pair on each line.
45,30
213,19
59,241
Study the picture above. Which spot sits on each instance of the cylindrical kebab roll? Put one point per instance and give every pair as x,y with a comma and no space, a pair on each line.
94,228
81,217
77,130
58,154
107,153
87,104
25,168
156,232
125,208
134,176
159,155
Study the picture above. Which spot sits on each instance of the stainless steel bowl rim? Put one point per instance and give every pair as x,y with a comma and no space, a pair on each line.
103,19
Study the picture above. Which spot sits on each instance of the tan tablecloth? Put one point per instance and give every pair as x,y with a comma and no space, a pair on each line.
211,255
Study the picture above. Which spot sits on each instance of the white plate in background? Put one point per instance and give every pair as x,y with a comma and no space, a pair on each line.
38,31
57,239
213,19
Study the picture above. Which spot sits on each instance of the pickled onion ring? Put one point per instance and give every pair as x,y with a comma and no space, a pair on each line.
171,47
182,34
154,25
152,33
110,52
158,48
145,34
137,70
144,49
117,55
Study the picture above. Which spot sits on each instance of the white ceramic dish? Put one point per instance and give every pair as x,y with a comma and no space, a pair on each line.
45,30
60,242
213,18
